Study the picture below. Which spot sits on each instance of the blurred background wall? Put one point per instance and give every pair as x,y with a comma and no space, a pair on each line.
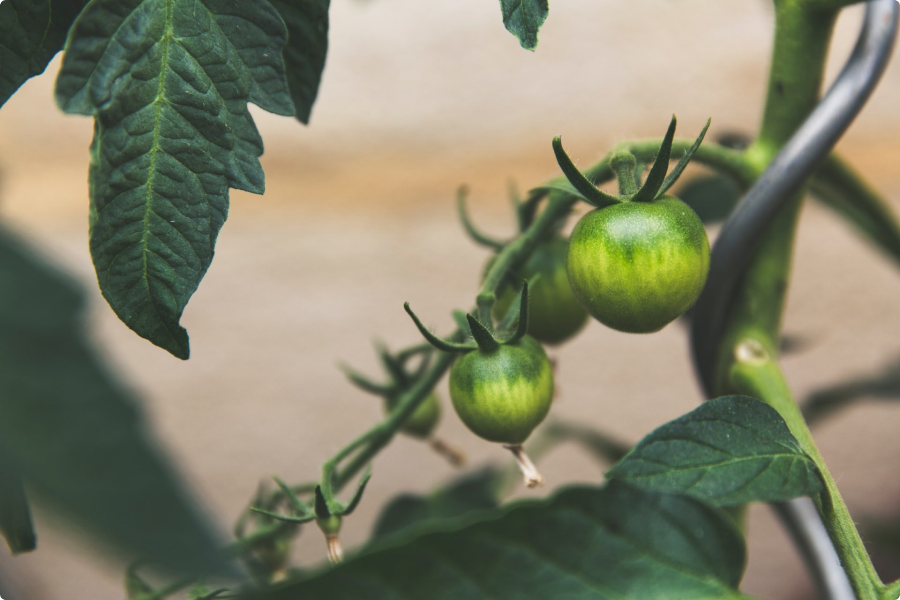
417,98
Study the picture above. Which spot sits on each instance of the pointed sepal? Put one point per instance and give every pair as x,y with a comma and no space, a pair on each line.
298,505
363,382
322,508
587,190
357,496
284,518
522,327
483,337
657,175
469,227
679,168
391,364
439,343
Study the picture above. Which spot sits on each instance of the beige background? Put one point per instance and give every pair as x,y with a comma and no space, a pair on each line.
419,97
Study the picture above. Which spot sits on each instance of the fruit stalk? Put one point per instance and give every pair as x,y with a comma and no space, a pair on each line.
530,474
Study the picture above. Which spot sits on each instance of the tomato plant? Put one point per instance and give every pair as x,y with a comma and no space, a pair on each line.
168,85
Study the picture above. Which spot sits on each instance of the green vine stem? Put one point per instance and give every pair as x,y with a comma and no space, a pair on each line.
748,356
359,452
755,372
513,255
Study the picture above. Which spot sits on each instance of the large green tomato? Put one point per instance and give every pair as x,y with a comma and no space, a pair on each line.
504,394
637,266
554,313
421,423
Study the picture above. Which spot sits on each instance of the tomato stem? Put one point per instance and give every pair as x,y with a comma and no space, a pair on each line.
747,357
334,549
453,455
529,471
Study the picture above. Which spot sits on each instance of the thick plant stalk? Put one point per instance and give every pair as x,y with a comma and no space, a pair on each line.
752,254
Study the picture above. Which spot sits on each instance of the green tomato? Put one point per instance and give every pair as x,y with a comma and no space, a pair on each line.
421,423
504,394
554,313
638,266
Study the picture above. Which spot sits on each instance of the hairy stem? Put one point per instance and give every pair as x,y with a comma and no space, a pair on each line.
756,373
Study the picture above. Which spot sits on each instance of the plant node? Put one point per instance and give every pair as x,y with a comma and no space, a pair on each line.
751,352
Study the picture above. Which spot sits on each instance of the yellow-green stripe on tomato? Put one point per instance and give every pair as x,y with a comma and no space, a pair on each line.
554,313
637,266
502,395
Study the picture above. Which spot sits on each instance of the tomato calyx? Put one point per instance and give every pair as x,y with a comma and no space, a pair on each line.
327,511
623,163
477,335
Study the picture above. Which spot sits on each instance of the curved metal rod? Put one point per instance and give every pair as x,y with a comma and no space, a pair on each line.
736,245
802,521
802,155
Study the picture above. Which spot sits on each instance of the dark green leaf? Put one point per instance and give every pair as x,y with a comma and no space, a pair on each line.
585,543
304,54
523,19
168,82
136,586
31,33
15,513
731,450
712,197
471,492
73,433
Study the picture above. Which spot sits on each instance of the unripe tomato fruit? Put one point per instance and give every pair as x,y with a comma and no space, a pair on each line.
421,423
554,313
637,266
502,395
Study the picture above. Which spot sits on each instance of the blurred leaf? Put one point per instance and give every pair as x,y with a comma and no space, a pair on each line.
135,585
583,543
305,51
838,186
202,592
168,83
882,385
31,33
470,492
523,19
712,197
731,450
15,513
70,430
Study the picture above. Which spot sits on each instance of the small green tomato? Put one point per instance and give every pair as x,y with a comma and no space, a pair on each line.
637,266
555,314
502,395
422,422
